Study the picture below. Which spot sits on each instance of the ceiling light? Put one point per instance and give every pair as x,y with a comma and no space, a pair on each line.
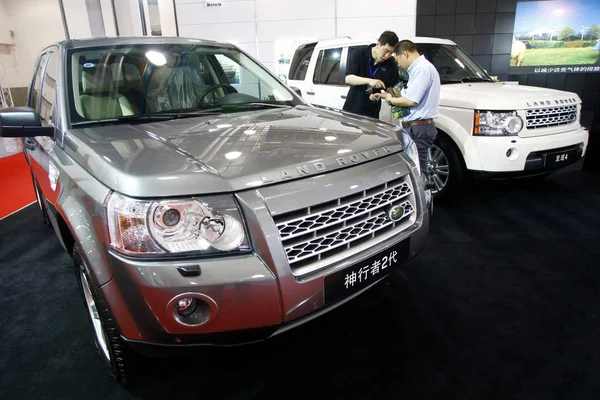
233,155
330,138
156,58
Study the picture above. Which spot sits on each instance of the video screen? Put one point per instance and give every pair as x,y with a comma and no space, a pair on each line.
556,36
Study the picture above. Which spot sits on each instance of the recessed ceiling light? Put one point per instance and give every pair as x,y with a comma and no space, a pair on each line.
232,155
156,58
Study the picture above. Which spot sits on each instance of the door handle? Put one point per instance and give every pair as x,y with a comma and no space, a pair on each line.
343,96
310,93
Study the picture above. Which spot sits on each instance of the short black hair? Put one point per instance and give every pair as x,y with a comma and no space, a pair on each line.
388,37
406,45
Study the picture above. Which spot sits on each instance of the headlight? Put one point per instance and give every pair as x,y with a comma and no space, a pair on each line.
490,123
411,148
204,225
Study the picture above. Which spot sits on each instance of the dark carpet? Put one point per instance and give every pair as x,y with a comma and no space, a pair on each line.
503,304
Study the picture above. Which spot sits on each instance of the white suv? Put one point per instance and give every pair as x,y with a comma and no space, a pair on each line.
486,129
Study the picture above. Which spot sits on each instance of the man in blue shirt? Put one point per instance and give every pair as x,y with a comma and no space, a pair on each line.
419,100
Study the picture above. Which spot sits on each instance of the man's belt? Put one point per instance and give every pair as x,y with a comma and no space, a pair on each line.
407,124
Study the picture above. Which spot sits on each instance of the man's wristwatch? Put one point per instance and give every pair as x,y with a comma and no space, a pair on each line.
389,102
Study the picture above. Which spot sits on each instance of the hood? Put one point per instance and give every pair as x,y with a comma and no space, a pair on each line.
228,152
502,96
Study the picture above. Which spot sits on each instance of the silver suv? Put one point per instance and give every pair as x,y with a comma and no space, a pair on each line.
200,210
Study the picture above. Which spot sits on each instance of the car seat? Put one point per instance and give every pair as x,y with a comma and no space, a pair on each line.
99,99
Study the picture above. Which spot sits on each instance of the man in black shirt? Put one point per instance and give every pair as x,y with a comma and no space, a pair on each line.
370,69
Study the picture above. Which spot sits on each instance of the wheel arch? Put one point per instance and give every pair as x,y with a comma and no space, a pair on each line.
461,140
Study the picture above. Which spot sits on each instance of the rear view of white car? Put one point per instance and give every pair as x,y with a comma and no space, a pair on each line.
486,129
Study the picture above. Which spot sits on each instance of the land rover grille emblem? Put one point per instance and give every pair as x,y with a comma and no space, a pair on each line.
396,213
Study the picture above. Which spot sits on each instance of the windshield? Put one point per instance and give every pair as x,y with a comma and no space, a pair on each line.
453,64
145,79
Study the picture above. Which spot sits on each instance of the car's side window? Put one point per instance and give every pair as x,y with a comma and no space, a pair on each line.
328,71
37,81
48,92
300,62
351,50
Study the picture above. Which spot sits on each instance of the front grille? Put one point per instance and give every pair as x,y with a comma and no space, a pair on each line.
552,116
316,233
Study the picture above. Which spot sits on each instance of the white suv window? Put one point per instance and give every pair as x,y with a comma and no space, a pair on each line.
300,62
328,69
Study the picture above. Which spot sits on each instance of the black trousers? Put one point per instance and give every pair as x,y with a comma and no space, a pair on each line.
423,136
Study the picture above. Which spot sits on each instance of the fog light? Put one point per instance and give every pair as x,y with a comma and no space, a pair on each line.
186,306
512,154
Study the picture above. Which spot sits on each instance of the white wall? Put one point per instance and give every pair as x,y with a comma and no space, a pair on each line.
78,20
268,28
108,18
4,31
167,18
36,24
129,18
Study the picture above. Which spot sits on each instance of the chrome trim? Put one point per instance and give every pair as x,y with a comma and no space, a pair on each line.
343,227
551,116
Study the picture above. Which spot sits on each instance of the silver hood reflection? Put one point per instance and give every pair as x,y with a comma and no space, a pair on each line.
227,152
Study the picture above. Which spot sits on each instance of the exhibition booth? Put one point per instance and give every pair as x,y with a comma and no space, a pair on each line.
201,199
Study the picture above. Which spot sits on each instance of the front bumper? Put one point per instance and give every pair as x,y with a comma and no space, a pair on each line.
516,156
255,296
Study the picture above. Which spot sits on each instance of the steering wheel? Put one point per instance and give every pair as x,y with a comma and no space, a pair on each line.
211,89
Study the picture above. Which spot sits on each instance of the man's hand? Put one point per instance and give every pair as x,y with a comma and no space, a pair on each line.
376,83
384,96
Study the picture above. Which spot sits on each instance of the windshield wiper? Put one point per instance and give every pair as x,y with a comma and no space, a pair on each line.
125,118
161,116
187,113
451,81
465,79
475,79
253,106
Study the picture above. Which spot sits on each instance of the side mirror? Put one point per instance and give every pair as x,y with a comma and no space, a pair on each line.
298,91
22,122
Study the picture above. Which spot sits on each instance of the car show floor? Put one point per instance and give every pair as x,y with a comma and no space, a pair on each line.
503,303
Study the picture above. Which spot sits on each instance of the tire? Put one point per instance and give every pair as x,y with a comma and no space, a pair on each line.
117,356
41,202
445,166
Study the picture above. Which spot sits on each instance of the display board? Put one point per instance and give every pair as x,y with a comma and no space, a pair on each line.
556,36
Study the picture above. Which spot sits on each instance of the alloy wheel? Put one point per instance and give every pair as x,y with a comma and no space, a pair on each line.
438,168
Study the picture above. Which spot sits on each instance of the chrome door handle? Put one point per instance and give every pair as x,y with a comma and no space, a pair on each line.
310,93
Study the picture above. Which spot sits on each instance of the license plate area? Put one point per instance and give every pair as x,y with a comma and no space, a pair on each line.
350,280
559,157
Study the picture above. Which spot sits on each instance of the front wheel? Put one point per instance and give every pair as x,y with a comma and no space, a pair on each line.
444,167
117,356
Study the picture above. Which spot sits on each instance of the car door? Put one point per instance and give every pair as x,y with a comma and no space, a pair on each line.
42,98
328,81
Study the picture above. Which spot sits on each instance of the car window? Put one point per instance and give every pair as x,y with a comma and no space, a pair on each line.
37,81
143,79
49,89
327,71
300,62
452,63
351,51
